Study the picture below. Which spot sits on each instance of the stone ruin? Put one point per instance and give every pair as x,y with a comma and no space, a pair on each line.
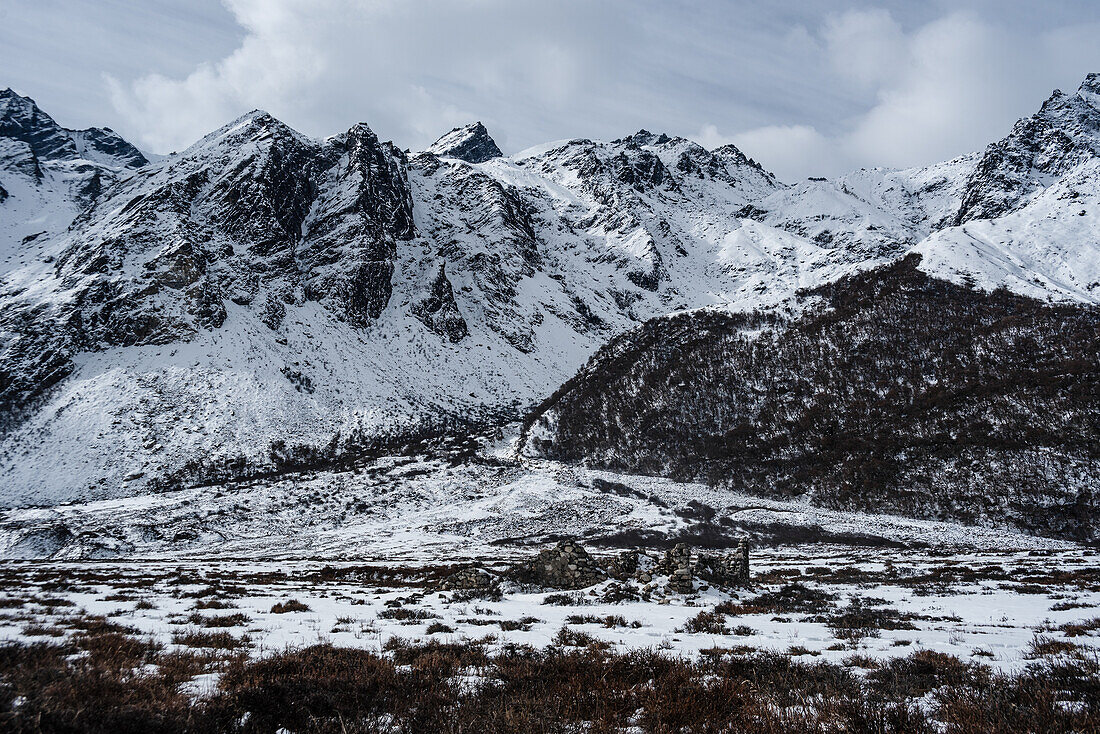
569,566
677,564
469,579
726,570
729,569
566,566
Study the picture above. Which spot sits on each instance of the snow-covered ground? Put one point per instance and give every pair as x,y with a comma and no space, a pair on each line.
988,606
435,506
365,551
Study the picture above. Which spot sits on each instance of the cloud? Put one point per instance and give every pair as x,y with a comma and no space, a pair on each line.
946,88
312,62
866,46
811,90
958,89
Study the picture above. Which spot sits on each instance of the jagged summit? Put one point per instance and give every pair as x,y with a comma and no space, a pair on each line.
693,155
256,125
21,119
10,94
471,143
1064,133
645,137
732,152
1090,89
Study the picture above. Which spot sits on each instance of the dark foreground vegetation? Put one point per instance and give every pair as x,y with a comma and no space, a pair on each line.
105,679
891,392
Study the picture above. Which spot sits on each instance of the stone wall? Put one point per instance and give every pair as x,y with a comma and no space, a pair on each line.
566,566
725,569
469,579
569,566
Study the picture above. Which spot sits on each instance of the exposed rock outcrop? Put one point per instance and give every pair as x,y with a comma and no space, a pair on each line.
471,143
1064,132
438,310
21,119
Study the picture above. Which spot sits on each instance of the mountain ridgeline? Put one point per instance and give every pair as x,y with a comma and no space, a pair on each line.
920,341
890,391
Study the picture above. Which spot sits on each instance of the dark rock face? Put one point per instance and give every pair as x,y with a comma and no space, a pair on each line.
694,158
896,393
1065,131
34,362
263,198
733,154
506,251
273,311
438,310
365,209
642,170
21,119
107,142
471,143
254,208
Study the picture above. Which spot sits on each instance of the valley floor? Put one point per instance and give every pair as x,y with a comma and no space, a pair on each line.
200,584
827,636
454,503
817,601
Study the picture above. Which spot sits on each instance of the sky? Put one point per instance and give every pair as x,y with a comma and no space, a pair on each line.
815,87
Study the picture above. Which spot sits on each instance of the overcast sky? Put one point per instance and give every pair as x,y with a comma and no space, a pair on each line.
807,88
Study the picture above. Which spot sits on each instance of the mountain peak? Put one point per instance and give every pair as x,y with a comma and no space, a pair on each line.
22,119
253,125
1090,89
255,118
9,93
470,143
645,137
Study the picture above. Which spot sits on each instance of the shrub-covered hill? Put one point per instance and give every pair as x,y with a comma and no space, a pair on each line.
890,391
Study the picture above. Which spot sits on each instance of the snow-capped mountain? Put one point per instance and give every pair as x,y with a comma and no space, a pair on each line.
1029,212
48,173
264,296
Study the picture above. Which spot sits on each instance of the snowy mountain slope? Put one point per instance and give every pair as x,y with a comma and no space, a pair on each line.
873,214
49,173
1064,133
1028,212
1049,248
262,292
264,298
